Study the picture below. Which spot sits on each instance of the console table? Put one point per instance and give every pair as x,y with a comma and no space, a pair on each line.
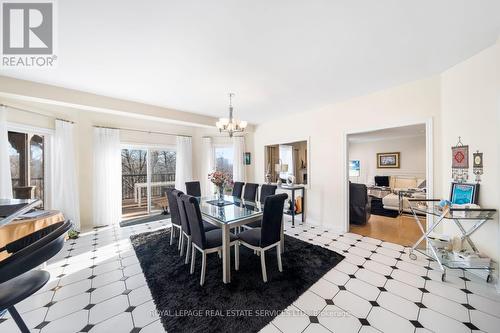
293,189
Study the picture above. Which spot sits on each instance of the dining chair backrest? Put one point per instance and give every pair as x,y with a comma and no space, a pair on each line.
272,219
238,189
250,192
265,191
172,195
183,215
193,188
195,221
33,250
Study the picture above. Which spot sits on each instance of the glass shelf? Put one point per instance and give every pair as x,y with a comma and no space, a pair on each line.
452,213
448,260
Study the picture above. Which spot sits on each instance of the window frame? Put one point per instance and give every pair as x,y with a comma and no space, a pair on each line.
48,174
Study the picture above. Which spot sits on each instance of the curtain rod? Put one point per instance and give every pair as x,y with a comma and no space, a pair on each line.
142,131
34,112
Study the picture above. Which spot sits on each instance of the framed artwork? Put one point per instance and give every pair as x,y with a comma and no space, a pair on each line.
464,193
460,157
354,168
388,160
247,158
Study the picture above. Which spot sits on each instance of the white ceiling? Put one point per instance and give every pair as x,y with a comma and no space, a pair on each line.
277,56
393,133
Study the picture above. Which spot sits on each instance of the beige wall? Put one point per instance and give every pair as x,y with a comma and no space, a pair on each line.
84,122
412,158
470,108
411,103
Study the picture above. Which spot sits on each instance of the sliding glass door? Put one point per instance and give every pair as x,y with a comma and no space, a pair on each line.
162,177
147,173
134,182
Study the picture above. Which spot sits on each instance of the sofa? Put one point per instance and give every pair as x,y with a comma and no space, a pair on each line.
399,183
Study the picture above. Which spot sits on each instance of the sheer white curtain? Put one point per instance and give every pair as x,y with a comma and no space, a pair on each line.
239,156
65,193
5,177
207,165
286,157
183,162
107,177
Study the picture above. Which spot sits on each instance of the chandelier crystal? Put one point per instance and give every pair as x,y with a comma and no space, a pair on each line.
231,125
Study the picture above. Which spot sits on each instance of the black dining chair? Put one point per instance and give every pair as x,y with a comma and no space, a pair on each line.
238,189
18,278
265,191
193,188
172,195
186,230
250,192
269,235
204,241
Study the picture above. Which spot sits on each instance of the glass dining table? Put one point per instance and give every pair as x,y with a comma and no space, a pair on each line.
230,214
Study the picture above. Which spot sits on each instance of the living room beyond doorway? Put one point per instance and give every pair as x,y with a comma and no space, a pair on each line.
387,167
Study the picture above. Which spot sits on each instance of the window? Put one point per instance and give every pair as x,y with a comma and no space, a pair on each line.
146,175
224,159
27,164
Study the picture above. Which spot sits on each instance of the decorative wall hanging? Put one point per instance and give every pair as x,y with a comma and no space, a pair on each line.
460,162
477,165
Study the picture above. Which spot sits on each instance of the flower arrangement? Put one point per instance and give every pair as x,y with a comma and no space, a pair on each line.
219,178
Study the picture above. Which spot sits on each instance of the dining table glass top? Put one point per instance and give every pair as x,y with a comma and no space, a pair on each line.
233,210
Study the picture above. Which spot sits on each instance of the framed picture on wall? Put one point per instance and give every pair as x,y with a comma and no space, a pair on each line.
354,168
388,160
247,158
463,193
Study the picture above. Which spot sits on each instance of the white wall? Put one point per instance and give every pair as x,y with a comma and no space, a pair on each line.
470,108
410,103
412,158
463,101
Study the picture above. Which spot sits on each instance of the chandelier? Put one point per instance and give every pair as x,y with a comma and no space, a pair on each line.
231,125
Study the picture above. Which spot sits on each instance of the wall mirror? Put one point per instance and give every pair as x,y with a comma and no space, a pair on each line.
287,161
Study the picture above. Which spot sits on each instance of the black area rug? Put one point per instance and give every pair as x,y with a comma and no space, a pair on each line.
247,304
378,209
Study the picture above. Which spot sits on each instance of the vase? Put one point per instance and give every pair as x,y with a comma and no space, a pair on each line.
220,194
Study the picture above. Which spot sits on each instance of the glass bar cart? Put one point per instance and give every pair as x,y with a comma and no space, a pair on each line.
445,259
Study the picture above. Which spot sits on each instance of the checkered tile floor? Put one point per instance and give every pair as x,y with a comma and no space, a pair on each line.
97,286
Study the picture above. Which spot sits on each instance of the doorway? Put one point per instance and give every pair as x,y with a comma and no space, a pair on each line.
385,168
147,173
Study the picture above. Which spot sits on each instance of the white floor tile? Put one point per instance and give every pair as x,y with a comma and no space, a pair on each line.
399,305
119,323
108,309
437,322
145,314
445,306
352,303
310,303
68,306
339,320
388,322
292,320
324,289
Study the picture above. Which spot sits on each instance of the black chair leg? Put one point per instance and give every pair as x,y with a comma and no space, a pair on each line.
19,321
